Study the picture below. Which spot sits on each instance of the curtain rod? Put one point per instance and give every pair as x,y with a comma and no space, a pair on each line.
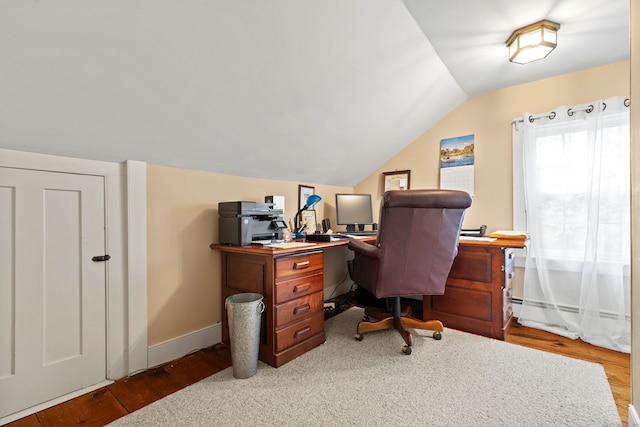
552,115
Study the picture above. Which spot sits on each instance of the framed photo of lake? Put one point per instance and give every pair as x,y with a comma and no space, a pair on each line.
457,151
397,180
457,163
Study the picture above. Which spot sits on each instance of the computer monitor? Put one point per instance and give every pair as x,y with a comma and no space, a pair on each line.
354,211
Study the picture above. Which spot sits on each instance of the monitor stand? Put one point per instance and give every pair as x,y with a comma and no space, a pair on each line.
352,227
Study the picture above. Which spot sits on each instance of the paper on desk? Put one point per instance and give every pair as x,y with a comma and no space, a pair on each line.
478,239
266,242
510,234
289,245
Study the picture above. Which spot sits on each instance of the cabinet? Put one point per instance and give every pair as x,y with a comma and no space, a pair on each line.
292,285
477,297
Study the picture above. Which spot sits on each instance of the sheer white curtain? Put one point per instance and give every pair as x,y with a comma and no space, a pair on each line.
576,166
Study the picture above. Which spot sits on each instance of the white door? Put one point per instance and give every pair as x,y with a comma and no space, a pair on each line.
52,295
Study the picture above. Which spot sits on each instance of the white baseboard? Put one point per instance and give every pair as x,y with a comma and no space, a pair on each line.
634,420
516,305
571,311
160,354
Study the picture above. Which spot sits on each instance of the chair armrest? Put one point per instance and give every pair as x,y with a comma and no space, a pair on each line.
364,248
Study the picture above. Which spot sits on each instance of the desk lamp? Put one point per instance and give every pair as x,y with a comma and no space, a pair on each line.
312,200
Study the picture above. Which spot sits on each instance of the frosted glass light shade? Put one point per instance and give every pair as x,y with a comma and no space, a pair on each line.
533,42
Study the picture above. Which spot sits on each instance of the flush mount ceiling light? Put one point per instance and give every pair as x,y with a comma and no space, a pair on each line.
532,42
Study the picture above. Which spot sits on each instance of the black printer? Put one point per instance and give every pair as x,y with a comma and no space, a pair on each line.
241,223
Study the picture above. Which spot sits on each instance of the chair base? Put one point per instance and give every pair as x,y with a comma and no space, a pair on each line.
398,320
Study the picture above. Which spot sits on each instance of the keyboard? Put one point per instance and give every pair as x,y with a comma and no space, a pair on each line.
360,233
320,237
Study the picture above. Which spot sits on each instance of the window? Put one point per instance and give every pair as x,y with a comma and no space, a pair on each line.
572,195
579,178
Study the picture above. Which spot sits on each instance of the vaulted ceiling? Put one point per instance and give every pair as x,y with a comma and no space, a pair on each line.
307,91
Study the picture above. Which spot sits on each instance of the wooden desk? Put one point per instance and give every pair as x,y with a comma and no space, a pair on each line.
478,294
292,283
477,297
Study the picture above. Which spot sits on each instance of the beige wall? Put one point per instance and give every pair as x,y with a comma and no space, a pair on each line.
489,118
184,293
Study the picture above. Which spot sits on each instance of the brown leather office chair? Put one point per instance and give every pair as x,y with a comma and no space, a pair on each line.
417,241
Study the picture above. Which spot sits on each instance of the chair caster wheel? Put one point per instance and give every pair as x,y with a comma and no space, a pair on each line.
406,350
437,336
358,336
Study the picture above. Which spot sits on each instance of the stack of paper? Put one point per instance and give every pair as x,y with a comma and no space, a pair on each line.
289,245
510,234
478,239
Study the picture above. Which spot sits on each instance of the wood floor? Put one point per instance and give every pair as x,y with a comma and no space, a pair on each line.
129,394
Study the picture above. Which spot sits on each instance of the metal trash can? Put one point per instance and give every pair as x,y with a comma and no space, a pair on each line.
243,313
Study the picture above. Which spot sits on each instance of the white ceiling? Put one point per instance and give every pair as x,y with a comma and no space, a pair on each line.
469,36
307,91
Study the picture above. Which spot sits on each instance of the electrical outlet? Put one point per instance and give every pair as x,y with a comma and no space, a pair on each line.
329,305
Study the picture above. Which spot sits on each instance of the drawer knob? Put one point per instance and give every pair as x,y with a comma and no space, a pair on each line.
300,265
302,288
302,309
302,332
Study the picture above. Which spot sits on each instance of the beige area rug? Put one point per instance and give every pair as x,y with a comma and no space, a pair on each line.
462,380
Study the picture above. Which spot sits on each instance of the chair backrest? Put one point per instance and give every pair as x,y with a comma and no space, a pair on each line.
418,233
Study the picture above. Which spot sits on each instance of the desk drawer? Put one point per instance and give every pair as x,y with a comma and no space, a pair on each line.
298,309
297,265
472,264
296,288
300,331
